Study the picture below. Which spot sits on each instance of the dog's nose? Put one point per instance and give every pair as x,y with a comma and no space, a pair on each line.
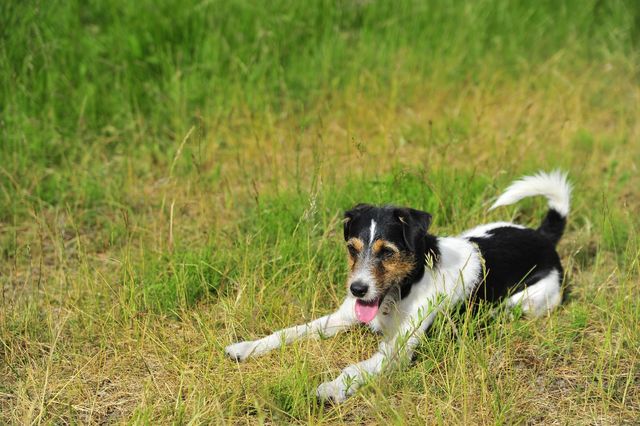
358,288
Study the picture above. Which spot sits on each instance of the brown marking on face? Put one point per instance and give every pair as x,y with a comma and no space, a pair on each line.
393,269
355,245
380,244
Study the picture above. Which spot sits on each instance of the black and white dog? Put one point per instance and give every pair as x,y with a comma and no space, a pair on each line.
401,276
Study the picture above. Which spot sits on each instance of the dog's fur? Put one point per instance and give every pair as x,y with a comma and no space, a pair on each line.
401,276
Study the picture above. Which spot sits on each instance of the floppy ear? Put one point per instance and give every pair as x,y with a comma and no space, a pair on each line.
415,223
349,215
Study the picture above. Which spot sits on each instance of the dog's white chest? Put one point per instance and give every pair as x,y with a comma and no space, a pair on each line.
387,321
395,310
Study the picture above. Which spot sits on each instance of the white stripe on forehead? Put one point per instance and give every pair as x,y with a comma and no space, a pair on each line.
372,231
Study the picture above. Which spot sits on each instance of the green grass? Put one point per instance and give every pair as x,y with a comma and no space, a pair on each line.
173,174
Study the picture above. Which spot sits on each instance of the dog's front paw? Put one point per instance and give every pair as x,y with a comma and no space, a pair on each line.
336,391
241,351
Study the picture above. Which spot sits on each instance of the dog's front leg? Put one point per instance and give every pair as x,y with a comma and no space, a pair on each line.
325,326
351,378
392,354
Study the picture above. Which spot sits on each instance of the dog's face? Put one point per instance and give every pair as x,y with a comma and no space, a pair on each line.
386,247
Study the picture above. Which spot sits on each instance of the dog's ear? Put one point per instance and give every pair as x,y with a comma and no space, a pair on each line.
350,215
415,224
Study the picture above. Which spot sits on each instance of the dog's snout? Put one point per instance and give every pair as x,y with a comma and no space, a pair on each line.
359,289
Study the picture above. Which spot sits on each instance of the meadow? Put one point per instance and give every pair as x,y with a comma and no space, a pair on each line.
173,176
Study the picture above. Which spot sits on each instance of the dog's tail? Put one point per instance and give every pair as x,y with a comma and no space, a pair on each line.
555,187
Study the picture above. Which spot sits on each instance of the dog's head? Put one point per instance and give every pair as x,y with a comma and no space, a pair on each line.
386,247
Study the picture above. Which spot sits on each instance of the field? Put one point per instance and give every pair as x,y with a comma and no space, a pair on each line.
173,177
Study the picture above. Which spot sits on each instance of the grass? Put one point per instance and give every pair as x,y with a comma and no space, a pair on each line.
172,177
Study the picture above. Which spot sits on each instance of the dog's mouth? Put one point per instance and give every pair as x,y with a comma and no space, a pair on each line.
366,310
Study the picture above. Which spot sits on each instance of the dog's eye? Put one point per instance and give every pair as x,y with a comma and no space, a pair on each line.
352,251
386,252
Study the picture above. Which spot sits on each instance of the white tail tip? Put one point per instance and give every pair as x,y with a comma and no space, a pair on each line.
554,186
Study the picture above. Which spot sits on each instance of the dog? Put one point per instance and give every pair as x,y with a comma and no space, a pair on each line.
401,276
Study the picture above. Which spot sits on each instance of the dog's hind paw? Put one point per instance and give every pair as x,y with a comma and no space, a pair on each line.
240,351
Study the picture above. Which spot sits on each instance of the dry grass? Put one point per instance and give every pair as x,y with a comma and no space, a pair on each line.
79,345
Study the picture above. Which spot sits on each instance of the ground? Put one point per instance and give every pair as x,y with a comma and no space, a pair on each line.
173,175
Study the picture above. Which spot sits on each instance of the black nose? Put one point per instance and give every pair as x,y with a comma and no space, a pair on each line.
359,289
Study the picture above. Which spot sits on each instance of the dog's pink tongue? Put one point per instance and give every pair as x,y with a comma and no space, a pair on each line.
365,312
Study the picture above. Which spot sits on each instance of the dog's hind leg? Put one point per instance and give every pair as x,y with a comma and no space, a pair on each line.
540,298
326,326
